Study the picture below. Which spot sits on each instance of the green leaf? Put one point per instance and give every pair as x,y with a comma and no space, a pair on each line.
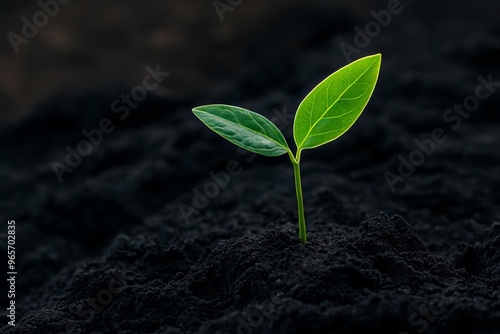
243,128
333,106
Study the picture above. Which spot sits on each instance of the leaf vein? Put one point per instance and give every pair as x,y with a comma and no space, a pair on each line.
248,129
345,90
338,116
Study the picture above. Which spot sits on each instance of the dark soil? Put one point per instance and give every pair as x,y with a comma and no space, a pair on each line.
108,251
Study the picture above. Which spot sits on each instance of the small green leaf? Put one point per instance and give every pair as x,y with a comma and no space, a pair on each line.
243,128
333,106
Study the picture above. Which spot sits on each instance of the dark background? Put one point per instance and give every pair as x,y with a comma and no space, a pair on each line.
118,211
90,44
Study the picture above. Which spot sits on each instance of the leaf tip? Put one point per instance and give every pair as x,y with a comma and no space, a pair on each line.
378,57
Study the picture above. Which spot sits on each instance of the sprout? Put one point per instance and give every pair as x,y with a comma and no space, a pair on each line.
325,114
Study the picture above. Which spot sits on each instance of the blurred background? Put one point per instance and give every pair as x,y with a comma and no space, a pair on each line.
95,44
92,45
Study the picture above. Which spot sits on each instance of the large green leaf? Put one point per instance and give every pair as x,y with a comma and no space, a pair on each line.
244,128
333,106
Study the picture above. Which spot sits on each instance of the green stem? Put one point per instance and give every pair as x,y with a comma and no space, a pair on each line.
300,200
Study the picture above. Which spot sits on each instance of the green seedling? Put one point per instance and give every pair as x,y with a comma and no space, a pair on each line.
326,113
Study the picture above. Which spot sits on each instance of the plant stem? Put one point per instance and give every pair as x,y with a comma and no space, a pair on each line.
300,200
